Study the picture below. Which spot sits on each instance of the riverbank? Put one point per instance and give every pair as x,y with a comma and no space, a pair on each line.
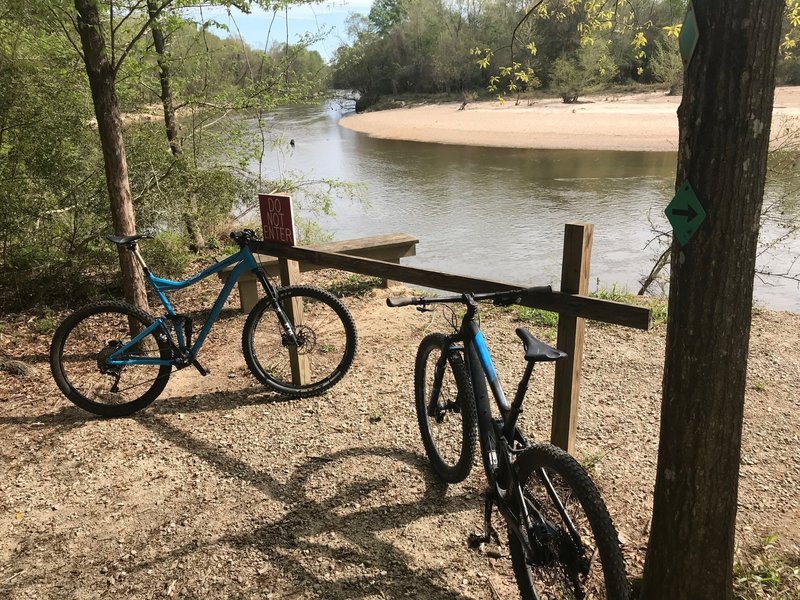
644,122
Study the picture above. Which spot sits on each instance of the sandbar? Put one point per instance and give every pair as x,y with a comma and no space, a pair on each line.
643,122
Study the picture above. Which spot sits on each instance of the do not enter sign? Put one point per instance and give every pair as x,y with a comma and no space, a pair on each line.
277,218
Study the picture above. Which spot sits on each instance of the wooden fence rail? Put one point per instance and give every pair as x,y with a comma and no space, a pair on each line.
389,248
571,303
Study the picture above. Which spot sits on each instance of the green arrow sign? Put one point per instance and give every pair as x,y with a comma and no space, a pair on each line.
685,213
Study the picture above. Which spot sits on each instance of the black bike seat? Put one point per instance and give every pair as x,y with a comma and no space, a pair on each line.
536,350
124,240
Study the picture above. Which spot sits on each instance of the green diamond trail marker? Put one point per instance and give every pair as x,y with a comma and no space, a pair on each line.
687,40
685,213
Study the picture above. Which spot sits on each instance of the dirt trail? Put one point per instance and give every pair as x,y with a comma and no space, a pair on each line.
220,489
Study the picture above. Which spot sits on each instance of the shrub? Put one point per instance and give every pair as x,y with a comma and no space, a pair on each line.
168,255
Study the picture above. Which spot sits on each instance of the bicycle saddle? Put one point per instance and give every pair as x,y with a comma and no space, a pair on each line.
124,240
536,350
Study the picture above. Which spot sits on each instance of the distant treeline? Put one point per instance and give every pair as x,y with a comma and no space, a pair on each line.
435,46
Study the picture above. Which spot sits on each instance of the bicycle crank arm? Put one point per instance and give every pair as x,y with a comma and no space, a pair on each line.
475,540
199,367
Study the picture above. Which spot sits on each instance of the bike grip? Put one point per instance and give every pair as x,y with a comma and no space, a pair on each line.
539,289
395,302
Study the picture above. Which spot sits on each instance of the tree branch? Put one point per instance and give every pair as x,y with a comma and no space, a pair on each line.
65,30
142,31
139,5
519,24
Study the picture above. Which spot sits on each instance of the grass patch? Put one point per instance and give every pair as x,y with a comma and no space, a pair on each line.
657,306
590,461
354,285
614,293
544,319
46,324
767,575
658,311
536,316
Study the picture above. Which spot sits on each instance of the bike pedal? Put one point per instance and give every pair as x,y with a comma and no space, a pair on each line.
475,540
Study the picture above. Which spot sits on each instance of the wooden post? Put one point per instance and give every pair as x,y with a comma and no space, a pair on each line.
290,274
249,289
574,280
386,282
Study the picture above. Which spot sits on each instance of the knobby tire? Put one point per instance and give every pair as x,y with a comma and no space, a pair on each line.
328,335
587,511
450,440
76,353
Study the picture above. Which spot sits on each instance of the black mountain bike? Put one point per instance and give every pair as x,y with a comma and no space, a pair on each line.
560,536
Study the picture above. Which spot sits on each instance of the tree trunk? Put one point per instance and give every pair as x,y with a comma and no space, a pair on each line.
170,121
190,216
102,82
725,119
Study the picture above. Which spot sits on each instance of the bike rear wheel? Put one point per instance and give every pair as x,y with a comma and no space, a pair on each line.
326,341
84,341
563,565
447,424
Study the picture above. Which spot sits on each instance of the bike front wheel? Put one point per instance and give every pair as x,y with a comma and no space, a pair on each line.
325,346
575,551
447,420
85,341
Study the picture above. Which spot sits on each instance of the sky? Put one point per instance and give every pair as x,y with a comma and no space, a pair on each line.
307,18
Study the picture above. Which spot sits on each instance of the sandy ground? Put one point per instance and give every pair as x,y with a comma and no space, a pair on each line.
635,122
221,489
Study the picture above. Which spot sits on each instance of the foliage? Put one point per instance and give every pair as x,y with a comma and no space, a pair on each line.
577,45
767,575
50,167
667,66
590,68
52,183
424,50
566,79
167,255
385,14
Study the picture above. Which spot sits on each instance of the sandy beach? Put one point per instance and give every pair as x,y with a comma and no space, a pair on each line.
644,122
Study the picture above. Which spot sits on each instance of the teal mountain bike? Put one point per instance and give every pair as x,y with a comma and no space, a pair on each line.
560,536
113,359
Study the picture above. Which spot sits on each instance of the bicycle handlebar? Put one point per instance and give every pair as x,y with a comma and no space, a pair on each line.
507,296
244,236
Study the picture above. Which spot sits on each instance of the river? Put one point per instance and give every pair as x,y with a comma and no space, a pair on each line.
500,213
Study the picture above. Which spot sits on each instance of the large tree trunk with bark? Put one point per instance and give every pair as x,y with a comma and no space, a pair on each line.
725,119
102,82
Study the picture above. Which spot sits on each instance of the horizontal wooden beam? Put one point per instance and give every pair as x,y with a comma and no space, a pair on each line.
575,305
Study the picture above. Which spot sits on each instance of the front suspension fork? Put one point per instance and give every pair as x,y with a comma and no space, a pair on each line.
283,318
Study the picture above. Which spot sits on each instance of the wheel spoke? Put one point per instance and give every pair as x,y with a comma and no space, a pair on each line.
327,337
575,550
80,351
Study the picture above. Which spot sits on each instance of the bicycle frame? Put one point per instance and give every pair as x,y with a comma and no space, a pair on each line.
481,369
243,261
504,489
